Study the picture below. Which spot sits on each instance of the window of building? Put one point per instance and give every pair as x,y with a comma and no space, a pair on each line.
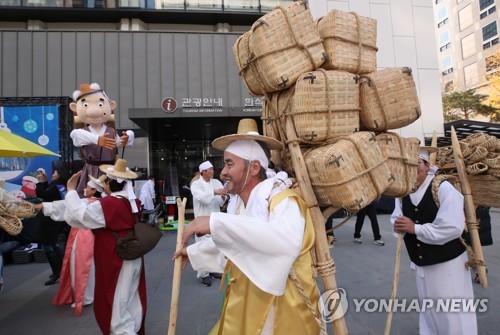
485,3
444,37
491,10
468,46
442,13
445,47
465,19
471,75
490,31
446,62
490,43
442,23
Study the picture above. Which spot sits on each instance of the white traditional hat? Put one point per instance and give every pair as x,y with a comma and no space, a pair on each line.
205,166
247,130
119,170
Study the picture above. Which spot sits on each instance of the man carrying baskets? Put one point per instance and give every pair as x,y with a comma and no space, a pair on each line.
266,236
432,227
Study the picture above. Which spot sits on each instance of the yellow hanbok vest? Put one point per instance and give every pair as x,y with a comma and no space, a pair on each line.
246,306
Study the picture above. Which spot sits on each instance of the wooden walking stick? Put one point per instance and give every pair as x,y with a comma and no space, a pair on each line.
470,209
176,283
325,264
433,155
388,322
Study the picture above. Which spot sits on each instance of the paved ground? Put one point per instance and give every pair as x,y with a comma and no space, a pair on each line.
364,271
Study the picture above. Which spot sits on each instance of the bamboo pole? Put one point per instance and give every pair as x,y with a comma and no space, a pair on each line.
433,155
395,281
470,209
322,249
176,282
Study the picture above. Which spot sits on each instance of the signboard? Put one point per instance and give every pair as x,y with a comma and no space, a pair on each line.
169,105
38,124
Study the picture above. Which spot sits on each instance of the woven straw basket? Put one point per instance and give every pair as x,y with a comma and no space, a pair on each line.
21,209
274,108
281,46
350,41
402,161
11,224
350,173
388,99
325,105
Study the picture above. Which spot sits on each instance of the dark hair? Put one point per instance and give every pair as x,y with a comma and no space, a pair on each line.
115,186
151,177
62,170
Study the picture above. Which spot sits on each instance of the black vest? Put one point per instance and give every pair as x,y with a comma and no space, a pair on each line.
422,253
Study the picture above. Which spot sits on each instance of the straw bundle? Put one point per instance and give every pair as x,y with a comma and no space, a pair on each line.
11,224
349,40
325,105
388,99
350,173
402,161
281,46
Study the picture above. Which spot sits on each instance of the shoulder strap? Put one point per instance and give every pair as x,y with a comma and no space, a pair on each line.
436,182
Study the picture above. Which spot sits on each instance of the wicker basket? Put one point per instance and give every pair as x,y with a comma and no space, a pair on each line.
274,108
477,168
325,105
11,224
476,139
402,161
493,163
281,46
350,173
350,41
21,209
388,99
478,154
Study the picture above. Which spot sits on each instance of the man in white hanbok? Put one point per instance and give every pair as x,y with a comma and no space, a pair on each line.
208,197
431,234
148,194
266,237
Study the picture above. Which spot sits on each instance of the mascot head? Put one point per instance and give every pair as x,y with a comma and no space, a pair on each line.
91,105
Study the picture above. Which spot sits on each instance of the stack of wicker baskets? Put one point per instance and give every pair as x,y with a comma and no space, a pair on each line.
481,153
324,109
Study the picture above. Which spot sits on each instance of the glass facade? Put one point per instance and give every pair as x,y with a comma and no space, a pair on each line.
191,5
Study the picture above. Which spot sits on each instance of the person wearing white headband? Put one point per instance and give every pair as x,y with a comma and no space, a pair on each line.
120,285
431,235
208,197
265,234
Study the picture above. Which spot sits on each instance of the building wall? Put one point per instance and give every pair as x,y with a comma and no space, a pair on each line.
137,69
467,48
405,37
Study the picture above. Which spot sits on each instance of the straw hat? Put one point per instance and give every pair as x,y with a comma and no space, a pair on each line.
99,182
119,170
429,149
247,130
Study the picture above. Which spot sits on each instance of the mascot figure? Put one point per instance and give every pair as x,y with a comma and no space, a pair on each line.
98,143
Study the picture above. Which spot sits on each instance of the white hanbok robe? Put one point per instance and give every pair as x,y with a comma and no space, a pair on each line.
147,195
444,280
262,244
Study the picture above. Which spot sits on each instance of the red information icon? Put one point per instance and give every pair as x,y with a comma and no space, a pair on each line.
169,105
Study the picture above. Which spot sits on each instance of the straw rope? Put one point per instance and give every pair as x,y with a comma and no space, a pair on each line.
296,280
